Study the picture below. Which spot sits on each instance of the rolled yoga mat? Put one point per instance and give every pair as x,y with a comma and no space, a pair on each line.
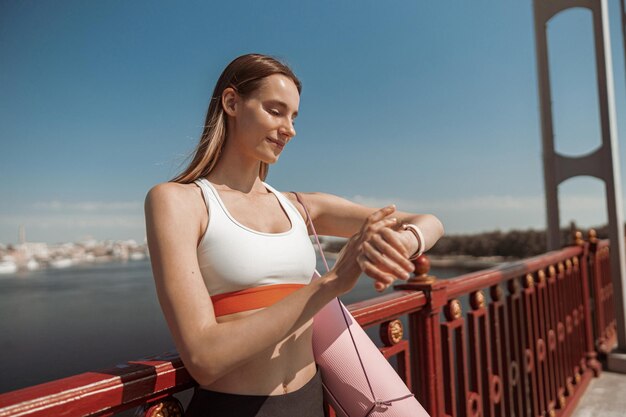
358,380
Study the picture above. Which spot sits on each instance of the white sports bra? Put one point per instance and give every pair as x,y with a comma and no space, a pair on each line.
233,257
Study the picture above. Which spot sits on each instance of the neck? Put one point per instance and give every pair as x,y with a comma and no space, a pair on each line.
237,170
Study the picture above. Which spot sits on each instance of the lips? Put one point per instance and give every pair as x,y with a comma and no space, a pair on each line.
281,145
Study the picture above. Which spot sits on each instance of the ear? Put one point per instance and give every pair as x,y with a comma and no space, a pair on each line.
230,100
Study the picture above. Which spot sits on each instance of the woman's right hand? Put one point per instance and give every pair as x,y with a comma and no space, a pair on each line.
375,250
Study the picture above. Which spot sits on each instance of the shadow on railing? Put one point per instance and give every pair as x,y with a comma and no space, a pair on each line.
529,349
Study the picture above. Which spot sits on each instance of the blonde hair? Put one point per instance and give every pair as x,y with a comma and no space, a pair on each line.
244,74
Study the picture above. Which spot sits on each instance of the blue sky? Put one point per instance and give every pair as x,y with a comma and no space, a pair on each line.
431,105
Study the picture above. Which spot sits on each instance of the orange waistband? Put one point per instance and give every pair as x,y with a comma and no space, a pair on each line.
251,298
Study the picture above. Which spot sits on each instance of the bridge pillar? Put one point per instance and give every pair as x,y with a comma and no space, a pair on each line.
603,163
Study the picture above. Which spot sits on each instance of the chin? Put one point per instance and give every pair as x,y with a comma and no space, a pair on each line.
271,160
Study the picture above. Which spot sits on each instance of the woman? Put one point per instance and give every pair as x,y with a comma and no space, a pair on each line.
232,259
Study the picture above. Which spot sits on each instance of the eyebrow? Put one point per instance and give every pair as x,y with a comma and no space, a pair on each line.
284,105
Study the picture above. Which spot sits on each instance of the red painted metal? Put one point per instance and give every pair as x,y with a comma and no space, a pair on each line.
530,347
516,376
605,324
543,371
454,358
481,376
425,343
466,283
387,307
528,353
500,357
402,354
590,351
169,407
562,346
103,392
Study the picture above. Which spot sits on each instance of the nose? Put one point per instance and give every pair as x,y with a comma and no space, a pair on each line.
288,129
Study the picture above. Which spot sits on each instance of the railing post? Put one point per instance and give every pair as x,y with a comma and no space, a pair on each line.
596,290
601,288
425,339
591,354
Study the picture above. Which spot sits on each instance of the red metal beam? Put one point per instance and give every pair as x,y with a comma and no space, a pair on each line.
109,390
474,281
386,307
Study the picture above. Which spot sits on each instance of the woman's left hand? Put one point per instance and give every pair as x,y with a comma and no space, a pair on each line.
398,241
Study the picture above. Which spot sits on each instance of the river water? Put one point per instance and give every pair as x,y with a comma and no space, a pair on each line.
56,323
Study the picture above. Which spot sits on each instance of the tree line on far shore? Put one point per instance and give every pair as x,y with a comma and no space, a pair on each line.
513,243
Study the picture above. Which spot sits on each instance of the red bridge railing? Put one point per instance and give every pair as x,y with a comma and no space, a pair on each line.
605,323
518,339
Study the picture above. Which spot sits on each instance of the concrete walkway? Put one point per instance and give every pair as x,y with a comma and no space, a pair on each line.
605,396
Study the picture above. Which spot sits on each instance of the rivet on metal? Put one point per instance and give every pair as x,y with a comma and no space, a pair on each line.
513,286
391,332
578,238
453,310
529,282
541,276
551,270
496,292
477,300
168,407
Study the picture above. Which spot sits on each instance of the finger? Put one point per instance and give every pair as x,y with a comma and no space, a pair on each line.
381,213
373,271
380,287
388,222
390,251
392,237
383,261
370,269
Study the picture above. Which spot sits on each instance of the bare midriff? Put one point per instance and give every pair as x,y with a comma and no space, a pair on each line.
280,369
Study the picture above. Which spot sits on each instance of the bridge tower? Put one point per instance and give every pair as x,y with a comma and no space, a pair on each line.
602,163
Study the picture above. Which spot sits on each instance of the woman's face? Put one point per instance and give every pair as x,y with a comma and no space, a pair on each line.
263,122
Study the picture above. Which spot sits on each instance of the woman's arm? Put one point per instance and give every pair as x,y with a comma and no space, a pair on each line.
210,349
336,216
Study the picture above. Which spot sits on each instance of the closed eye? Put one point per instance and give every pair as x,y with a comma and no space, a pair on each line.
277,113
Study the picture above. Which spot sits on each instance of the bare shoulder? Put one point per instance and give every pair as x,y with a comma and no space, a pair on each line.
168,193
167,201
